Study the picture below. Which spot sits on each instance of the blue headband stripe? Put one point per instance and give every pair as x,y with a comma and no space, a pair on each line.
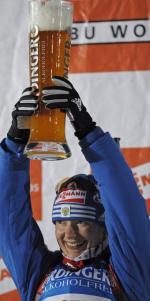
73,210
73,216
75,213
67,211
74,206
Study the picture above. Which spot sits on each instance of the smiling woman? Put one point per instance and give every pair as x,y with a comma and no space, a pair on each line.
74,237
85,267
78,216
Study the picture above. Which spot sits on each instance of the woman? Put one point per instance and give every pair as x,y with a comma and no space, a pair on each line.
84,268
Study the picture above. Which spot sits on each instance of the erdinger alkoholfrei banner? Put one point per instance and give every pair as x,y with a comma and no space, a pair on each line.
110,50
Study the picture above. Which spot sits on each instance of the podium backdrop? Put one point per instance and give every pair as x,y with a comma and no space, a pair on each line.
110,63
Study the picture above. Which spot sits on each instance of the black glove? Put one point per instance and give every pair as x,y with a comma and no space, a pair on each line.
26,106
64,96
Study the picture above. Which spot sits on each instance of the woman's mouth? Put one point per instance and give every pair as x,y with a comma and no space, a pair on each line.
74,244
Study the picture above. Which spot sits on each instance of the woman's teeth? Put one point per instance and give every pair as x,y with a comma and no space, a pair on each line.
74,244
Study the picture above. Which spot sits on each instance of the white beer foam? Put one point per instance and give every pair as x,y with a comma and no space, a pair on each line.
46,14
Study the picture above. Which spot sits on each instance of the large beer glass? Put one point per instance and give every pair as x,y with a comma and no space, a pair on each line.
49,55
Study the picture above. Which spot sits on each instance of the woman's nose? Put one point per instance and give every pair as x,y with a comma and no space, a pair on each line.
71,229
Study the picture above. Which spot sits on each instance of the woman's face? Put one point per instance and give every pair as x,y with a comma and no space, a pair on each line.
74,237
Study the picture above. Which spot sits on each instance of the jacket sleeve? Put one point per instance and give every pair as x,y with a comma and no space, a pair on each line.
126,216
21,242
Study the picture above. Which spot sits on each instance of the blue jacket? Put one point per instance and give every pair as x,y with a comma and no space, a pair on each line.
21,241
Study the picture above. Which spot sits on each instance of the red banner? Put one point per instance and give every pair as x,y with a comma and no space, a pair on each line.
139,160
117,35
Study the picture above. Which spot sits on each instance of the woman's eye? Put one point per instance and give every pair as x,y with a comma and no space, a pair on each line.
59,222
84,223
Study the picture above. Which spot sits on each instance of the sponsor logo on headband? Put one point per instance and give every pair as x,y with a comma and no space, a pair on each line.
71,196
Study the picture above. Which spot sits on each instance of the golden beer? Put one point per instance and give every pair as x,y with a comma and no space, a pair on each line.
49,55
53,55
